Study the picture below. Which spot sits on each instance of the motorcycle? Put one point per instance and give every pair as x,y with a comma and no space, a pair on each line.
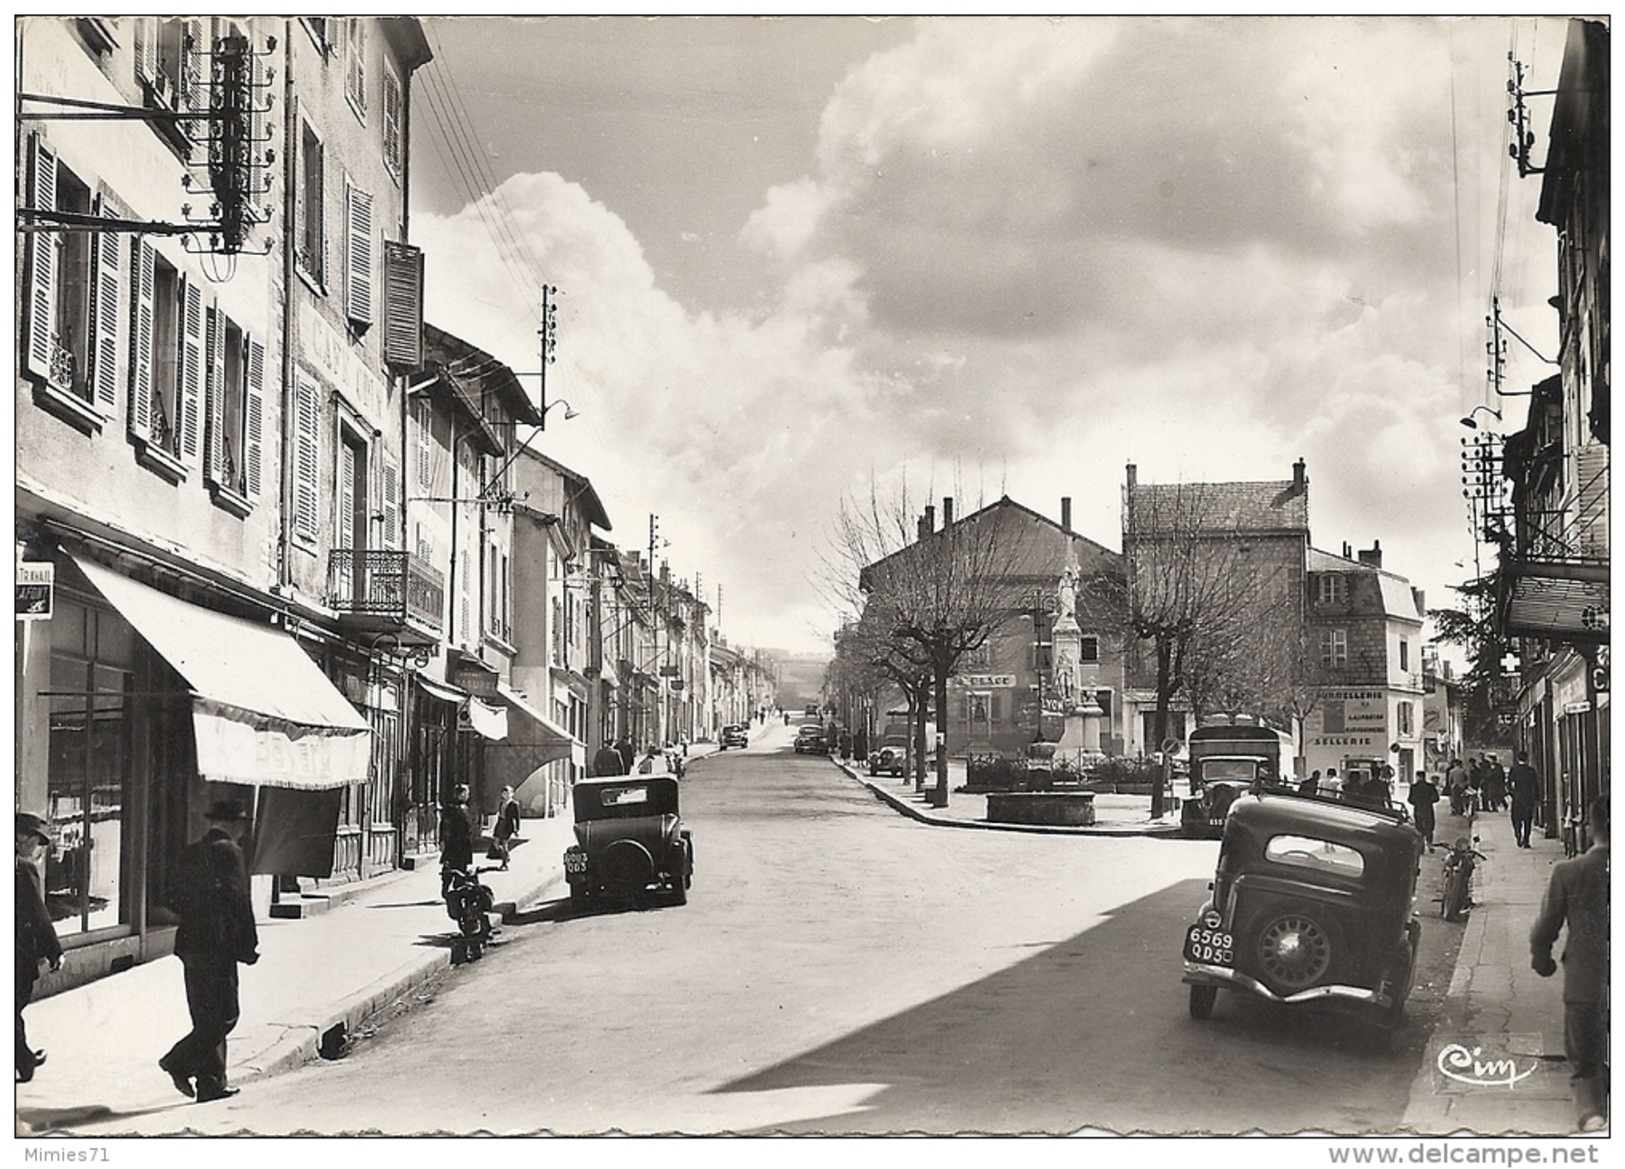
468,903
1459,863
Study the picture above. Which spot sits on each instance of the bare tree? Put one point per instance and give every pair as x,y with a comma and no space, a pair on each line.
1198,597
931,594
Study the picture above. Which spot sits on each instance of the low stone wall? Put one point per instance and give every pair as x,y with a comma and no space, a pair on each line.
1073,809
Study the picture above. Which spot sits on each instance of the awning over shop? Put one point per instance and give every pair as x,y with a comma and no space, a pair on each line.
482,717
263,711
533,740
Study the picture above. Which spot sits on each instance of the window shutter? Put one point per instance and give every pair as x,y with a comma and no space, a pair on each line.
392,123
142,263
1591,502
305,459
146,49
254,423
425,452
403,304
392,501
358,256
191,387
214,419
41,263
104,318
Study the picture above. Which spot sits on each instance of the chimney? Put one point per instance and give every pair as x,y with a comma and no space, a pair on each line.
930,520
1131,474
1066,512
1348,550
947,512
1372,555
922,528
1300,479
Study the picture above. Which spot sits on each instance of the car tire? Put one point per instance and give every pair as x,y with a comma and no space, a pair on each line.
1202,999
1292,948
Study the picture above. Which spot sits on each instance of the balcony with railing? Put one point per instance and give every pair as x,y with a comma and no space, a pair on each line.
385,590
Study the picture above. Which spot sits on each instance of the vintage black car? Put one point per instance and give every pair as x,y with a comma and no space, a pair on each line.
1311,905
734,735
630,842
810,740
891,757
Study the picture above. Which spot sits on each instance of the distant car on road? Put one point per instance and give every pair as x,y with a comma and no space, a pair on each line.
735,735
810,740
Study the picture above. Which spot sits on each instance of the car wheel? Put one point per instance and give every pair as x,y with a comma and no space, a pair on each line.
1293,950
1202,1000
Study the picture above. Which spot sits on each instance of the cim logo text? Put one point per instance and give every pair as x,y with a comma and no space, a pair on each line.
1468,1066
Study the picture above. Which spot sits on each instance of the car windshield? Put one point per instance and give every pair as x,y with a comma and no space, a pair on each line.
1245,770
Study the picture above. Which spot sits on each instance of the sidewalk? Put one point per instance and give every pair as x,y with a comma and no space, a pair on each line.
1497,1007
317,979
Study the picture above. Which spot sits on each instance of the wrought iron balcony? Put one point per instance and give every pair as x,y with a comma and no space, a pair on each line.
387,590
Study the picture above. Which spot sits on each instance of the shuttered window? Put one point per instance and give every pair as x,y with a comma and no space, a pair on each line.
403,304
391,473
234,427
358,256
393,151
167,362
41,246
355,66
307,418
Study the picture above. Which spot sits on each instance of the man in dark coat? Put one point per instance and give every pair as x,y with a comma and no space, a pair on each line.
456,837
1523,787
607,760
36,937
216,932
1495,786
1577,897
628,755
1423,795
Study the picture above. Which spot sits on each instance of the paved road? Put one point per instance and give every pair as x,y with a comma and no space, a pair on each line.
842,969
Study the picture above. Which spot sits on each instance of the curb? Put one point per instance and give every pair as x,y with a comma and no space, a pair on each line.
909,810
301,1042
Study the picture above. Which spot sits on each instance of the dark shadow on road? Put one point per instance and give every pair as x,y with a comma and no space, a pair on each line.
1094,1032
44,1121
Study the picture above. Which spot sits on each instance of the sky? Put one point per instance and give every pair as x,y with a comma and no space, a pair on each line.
796,257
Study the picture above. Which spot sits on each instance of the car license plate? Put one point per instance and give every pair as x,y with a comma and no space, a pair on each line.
575,862
1209,946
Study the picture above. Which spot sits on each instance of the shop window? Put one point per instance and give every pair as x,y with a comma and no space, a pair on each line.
91,703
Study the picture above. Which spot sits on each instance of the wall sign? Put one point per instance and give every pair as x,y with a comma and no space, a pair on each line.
36,590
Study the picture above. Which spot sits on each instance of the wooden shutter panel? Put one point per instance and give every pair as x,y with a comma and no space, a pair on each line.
104,318
143,259
358,256
392,122
190,396
214,396
392,501
254,419
403,304
305,458
1591,502
41,313
146,49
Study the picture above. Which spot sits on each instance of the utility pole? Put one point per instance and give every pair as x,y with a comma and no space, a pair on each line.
547,336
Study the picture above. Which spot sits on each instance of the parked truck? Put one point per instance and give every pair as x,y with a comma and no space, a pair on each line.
1228,756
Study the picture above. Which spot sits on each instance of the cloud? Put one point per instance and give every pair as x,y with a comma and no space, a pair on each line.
1026,252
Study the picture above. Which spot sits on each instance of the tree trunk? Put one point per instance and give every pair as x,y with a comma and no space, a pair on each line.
939,798
916,726
1164,678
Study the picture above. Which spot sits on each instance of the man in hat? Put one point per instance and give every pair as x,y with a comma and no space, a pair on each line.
37,942
216,933
607,760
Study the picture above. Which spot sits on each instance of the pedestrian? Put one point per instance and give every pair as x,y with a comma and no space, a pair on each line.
1423,795
1331,785
860,744
607,760
456,837
1495,786
1310,786
1383,787
628,754
216,932
37,943
1577,897
1523,787
506,828
1455,778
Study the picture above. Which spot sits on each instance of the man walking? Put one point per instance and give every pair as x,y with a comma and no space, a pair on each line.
36,938
1523,786
1577,897
216,932
607,761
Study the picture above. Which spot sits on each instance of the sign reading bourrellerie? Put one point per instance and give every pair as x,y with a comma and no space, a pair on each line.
1352,718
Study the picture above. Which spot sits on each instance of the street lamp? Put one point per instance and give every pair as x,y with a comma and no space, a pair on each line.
1469,422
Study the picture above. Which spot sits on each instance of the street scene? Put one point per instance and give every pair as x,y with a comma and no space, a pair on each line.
756,576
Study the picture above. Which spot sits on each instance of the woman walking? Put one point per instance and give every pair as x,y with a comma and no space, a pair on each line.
507,827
